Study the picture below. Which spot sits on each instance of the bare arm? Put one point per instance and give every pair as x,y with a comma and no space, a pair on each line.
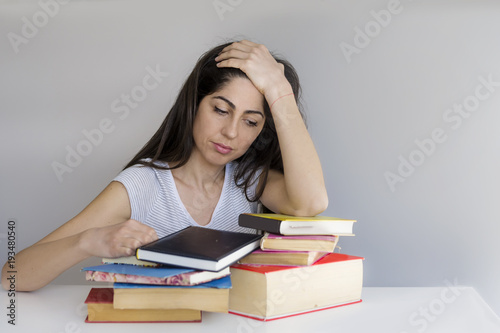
301,190
102,229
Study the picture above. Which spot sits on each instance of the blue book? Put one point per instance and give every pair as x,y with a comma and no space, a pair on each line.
151,275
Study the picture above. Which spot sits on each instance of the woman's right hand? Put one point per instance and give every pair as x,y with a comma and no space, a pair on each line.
103,229
117,240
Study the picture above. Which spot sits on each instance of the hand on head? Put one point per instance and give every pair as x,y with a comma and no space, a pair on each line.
259,65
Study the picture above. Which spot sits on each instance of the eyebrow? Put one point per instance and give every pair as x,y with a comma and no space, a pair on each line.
232,106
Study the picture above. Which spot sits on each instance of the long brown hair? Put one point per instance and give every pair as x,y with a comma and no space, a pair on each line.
173,141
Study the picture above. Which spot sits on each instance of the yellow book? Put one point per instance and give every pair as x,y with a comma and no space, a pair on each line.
319,243
282,258
100,310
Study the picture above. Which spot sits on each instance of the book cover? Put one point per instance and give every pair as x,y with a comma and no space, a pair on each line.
200,248
265,269
100,310
297,225
150,275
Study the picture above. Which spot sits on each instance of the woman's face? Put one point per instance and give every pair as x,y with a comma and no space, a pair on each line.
228,121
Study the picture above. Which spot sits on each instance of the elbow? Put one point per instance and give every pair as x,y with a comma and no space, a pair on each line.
313,207
11,283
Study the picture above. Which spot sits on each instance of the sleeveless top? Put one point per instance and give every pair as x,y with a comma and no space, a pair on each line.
155,201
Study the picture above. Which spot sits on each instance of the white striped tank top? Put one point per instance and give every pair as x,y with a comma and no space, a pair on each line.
154,201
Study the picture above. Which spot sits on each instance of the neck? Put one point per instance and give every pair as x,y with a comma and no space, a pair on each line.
198,175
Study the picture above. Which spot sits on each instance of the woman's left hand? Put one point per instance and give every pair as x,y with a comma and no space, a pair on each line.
266,74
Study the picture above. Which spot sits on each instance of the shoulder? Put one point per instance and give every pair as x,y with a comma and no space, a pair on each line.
141,175
136,174
143,183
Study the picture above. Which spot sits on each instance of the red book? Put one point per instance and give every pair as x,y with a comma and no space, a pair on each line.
100,310
267,292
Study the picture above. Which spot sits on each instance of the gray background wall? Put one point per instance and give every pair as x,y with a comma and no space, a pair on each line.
377,90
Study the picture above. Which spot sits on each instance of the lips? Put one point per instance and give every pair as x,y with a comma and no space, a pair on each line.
223,149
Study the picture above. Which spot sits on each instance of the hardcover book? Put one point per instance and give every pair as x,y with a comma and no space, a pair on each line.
296,225
100,310
271,292
176,276
212,296
282,258
200,248
319,243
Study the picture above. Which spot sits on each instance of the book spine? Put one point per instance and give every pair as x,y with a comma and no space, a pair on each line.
260,223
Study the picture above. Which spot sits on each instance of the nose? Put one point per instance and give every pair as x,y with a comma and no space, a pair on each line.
230,129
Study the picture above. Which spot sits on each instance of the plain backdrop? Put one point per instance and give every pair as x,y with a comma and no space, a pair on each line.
402,101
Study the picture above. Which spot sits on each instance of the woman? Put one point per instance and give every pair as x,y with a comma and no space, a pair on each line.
234,136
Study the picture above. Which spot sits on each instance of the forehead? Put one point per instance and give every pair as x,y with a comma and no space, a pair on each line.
242,93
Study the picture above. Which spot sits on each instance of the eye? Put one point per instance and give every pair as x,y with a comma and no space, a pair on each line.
251,123
220,111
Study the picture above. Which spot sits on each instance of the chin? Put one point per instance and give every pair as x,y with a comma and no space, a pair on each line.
219,160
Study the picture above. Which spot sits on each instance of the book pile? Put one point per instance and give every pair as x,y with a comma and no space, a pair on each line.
144,291
295,271
154,293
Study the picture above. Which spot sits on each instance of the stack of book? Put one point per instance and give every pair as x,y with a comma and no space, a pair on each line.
185,273
295,271
155,294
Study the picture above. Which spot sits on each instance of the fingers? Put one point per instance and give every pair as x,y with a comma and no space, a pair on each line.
244,50
258,64
140,231
123,239
237,46
135,234
128,246
233,53
247,42
243,45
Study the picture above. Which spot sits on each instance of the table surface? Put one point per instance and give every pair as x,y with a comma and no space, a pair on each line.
60,309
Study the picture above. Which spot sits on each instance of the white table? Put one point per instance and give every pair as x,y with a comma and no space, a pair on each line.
60,309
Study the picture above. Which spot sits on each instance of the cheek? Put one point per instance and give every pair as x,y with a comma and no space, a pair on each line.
204,124
249,137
